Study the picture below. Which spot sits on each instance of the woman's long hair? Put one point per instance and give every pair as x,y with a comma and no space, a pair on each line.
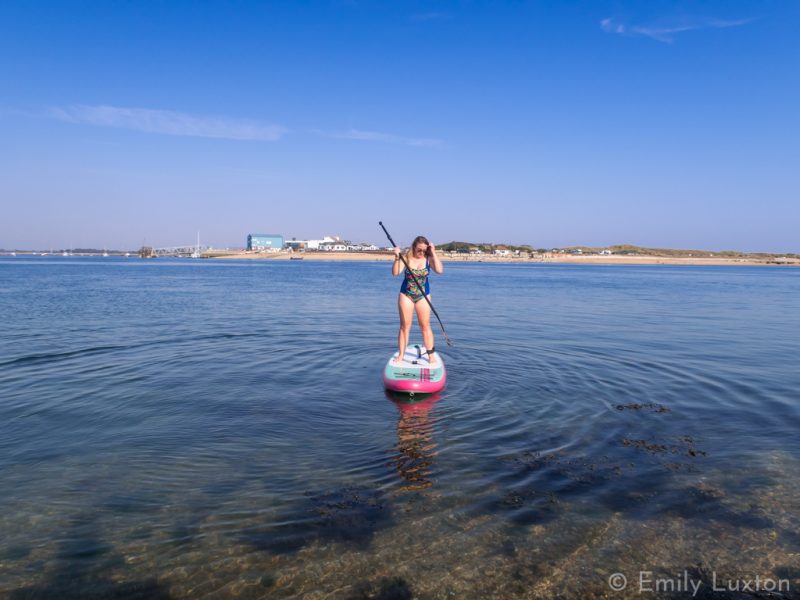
420,239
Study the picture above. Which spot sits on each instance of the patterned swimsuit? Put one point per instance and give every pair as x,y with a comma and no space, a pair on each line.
410,288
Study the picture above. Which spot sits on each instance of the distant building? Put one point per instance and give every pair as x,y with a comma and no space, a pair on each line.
333,247
317,244
303,245
264,241
295,244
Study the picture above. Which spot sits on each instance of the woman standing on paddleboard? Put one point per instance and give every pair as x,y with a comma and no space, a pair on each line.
421,259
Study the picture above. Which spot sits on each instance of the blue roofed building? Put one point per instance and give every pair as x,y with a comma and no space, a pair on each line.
264,241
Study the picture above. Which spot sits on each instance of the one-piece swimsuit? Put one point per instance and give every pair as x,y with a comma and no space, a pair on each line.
410,287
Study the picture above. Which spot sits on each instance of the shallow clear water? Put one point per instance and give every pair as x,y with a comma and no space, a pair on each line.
219,429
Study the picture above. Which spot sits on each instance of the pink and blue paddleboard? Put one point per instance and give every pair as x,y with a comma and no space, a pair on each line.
415,374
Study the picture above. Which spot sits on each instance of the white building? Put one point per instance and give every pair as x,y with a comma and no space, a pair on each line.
332,245
311,244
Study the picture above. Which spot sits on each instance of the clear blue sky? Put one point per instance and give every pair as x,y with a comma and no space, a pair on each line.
670,124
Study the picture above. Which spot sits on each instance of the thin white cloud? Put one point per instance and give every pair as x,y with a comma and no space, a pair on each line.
168,122
386,138
666,33
430,16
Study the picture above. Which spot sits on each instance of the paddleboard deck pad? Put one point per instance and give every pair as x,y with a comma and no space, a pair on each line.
415,374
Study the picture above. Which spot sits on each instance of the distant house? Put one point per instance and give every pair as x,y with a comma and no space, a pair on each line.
260,242
605,252
502,252
333,247
294,244
311,244
316,244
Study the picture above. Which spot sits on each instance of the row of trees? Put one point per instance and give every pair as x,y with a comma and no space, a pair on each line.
487,248
624,249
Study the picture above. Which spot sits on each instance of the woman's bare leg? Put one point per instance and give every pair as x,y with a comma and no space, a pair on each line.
423,310
406,309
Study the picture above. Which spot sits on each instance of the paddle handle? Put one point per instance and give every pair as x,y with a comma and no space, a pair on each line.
387,234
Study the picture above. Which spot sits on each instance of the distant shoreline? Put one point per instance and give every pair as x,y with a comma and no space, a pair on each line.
490,258
453,257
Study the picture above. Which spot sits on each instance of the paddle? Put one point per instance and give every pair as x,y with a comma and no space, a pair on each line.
414,277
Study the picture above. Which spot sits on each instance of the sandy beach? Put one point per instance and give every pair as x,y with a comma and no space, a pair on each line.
489,258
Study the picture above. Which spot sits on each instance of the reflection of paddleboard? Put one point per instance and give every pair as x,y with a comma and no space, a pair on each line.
415,374
413,404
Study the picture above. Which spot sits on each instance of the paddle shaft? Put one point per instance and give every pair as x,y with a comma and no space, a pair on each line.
421,289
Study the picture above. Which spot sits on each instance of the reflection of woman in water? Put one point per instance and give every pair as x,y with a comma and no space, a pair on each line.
415,445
